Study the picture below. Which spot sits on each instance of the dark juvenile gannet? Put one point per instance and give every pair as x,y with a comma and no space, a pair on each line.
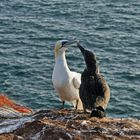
94,90
66,82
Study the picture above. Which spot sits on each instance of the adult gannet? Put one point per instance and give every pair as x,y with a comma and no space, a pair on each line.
94,90
66,82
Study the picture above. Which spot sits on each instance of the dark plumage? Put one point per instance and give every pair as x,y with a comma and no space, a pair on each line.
94,90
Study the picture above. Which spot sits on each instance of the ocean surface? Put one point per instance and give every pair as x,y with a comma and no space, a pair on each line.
29,30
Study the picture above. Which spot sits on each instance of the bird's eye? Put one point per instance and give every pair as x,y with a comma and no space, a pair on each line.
64,42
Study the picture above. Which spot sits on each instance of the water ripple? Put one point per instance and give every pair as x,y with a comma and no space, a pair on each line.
110,28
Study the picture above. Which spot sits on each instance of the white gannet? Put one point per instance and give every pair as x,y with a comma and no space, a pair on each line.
66,82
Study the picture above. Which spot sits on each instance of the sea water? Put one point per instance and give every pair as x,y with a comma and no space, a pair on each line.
29,30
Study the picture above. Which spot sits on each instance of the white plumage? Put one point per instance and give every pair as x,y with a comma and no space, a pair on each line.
66,82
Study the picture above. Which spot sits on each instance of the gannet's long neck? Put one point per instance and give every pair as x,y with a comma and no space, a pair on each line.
61,60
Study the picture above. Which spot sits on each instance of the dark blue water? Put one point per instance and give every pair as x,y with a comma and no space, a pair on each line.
108,27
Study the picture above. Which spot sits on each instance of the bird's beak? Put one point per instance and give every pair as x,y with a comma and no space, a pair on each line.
81,48
71,43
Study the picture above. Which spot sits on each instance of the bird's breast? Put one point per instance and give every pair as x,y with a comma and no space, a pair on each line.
60,76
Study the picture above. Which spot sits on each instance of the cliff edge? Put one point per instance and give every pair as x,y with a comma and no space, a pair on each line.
70,125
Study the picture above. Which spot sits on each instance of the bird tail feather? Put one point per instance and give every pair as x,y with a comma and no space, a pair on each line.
98,112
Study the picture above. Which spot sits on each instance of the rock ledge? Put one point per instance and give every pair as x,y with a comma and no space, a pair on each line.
70,125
